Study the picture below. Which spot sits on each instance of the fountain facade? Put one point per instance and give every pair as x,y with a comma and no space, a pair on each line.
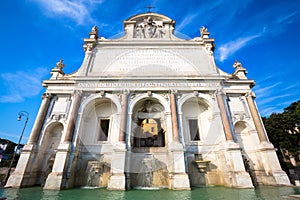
139,109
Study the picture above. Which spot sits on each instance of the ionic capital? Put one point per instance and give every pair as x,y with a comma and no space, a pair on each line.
47,95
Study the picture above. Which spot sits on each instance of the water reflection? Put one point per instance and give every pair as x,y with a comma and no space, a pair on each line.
50,194
203,193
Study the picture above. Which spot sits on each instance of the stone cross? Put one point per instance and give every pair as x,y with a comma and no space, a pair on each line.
149,7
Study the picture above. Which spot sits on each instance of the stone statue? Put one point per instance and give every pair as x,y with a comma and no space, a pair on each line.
139,32
204,32
237,64
60,65
203,29
160,32
149,29
95,30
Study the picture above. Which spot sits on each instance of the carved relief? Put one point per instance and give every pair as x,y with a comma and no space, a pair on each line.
149,29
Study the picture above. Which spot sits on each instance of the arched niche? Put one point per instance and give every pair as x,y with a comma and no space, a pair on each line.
196,116
98,121
245,135
241,127
49,144
148,124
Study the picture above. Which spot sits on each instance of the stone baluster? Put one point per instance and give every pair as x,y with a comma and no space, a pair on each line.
73,116
123,120
224,116
35,133
174,117
256,118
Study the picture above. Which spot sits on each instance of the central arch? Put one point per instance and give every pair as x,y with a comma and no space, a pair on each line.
148,124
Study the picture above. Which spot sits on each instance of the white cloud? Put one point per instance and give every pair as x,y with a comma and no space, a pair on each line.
21,85
78,11
272,98
227,49
268,111
187,20
266,90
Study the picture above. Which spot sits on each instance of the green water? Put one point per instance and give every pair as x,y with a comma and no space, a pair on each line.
204,193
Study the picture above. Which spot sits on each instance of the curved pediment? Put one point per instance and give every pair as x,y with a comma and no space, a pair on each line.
156,16
149,26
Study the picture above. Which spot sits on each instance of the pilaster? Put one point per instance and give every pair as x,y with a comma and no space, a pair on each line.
178,178
117,180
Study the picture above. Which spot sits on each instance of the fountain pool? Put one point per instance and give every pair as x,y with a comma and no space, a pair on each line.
203,193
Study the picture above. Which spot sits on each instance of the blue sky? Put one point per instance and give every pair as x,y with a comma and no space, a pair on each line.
35,34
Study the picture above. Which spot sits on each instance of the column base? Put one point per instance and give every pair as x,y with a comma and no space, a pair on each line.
275,178
238,180
271,174
179,182
117,182
22,177
54,181
235,174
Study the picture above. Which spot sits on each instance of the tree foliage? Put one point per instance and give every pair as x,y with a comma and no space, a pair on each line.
284,128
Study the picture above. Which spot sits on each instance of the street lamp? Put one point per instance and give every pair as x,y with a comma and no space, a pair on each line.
21,114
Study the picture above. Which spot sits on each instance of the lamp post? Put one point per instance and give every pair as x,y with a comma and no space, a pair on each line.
21,114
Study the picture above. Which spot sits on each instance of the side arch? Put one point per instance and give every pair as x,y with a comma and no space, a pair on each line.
187,97
246,135
87,102
195,119
51,138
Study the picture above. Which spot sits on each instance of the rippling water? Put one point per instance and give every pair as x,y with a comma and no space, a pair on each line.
204,193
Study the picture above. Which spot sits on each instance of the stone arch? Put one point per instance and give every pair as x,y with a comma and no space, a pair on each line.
244,135
50,141
200,96
148,123
195,118
158,97
93,112
241,127
89,101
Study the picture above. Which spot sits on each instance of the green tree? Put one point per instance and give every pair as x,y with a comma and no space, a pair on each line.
283,128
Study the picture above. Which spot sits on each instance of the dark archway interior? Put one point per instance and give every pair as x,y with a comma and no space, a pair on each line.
148,130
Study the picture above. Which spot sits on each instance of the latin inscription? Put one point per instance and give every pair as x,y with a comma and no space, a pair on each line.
123,84
147,60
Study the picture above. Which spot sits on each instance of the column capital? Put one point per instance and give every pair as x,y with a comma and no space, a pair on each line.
126,91
172,91
77,92
47,95
250,93
219,91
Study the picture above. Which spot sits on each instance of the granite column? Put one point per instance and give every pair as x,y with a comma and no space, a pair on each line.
256,118
35,133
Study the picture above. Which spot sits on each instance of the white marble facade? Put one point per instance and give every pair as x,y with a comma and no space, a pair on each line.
148,110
